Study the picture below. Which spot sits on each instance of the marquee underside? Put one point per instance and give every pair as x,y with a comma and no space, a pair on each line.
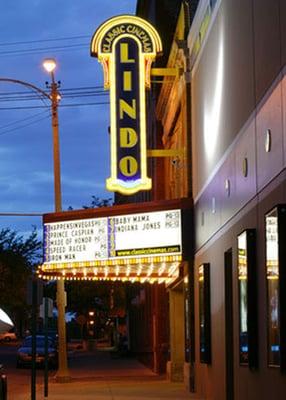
161,269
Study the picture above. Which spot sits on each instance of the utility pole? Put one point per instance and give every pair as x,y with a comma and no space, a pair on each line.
63,373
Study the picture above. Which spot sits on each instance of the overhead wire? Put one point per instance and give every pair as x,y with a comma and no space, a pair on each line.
23,126
62,90
23,119
60,106
66,93
43,49
31,53
40,50
7,51
44,40
92,91
70,93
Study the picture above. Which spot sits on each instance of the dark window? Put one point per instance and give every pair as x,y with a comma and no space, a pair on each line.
187,320
229,370
242,290
204,310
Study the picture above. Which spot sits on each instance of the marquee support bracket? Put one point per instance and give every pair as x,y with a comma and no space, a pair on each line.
176,72
165,153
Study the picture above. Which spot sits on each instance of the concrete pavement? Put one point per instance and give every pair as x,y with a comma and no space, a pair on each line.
116,390
99,375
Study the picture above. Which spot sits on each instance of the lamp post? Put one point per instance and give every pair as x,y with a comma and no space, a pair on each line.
54,97
63,373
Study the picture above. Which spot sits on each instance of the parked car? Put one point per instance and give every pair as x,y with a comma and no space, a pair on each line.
8,336
24,353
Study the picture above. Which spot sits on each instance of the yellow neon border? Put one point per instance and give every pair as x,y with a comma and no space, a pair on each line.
124,19
112,183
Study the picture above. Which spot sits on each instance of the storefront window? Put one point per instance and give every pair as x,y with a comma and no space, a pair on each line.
272,274
204,311
247,298
243,299
187,320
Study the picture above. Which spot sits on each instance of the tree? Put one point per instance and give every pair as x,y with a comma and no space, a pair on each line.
18,258
28,248
96,202
86,295
105,299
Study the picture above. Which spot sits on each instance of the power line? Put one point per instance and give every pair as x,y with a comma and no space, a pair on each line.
85,92
21,214
66,96
32,96
62,89
44,40
43,51
83,88
23,119
60,105
40,49
5,51
23,126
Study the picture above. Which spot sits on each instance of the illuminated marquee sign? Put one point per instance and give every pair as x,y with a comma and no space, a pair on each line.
126,46
138,245
131,235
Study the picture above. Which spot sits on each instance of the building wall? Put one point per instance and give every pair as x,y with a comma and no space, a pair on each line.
149,325
222,87
238,94
172,111
241,57
265,382
148,311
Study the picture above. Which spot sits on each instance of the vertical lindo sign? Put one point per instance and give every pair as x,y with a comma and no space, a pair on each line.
126,46
128,152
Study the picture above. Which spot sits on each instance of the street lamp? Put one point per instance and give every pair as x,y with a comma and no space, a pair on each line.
50,65
91,323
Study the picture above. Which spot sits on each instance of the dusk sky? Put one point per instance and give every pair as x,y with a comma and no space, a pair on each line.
32,30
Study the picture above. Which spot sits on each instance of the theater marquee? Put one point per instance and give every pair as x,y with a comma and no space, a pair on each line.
126,46
103,244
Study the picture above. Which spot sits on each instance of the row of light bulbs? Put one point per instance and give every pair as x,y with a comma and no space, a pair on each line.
111,262
112,279
150,272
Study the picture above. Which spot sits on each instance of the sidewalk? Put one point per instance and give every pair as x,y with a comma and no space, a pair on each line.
116,390
103,363
99,376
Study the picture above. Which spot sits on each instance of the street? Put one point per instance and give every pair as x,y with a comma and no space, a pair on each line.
19,380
